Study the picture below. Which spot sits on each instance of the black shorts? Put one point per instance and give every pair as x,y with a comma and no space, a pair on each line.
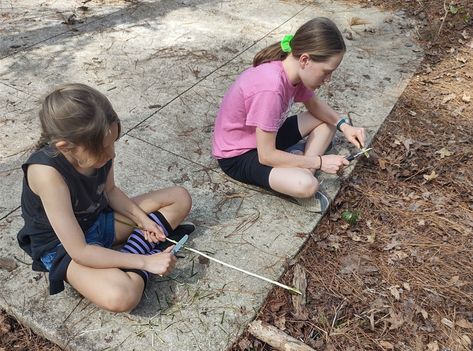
246,168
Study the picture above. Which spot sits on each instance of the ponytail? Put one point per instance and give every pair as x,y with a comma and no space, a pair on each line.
268,54
319,38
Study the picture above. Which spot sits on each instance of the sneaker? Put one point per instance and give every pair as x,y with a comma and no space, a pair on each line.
298,148
323,199
177,234
319,203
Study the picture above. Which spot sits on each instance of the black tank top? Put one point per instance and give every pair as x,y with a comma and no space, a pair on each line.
88,200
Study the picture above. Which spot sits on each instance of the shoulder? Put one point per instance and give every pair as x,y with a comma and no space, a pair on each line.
42,178
265,77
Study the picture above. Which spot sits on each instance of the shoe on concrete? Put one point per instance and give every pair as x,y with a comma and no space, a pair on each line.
319,203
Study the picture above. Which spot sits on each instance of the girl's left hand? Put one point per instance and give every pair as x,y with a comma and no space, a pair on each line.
354,135
151,230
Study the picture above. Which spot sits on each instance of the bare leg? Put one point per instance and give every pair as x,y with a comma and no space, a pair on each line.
320,134
111,289
297,182
174,204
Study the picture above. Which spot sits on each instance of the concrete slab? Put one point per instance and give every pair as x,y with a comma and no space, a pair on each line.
253,230
149,53
168,64
375,70
28,22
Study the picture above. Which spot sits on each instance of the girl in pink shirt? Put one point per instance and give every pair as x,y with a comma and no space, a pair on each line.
253,130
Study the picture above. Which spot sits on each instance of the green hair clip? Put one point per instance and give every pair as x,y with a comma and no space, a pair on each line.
286,43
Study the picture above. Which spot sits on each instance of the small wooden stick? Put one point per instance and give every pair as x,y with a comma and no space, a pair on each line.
276,338
294,290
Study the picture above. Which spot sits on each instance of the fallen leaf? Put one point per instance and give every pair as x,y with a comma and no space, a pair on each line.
382,163
276,306
371,238
433,346
443,152
394,243
466,341
466,98
386,345
357,21
406,286
280,323
431,176
245,344
394,292
448,322
454,280
299,281
395,319
463,323
7,263
203,260
423,312
448,98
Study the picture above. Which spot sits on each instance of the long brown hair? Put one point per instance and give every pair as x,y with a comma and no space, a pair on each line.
77,114
319,37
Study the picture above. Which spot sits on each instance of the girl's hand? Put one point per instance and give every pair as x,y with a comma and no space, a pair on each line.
151,230
333,163
354,135
161,263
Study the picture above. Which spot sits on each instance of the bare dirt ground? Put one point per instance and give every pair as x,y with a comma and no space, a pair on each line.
390,267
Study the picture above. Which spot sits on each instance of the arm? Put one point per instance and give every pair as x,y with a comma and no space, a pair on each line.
125,206
49,185
320,110
270,156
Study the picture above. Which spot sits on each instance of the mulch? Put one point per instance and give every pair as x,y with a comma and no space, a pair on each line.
390,267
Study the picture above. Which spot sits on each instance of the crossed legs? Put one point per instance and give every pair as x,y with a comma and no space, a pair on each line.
113,289
300,182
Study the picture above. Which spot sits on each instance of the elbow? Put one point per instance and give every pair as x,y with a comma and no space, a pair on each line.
79,256
264,159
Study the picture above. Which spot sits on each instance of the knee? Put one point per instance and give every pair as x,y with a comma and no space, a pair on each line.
183,198
122,299
306,186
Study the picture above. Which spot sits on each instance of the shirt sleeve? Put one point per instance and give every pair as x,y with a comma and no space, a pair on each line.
264,110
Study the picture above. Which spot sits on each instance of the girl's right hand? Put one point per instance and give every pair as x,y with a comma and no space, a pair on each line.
160,263
333,163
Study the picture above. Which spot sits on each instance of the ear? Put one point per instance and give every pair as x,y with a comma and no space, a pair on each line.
62,146
304,59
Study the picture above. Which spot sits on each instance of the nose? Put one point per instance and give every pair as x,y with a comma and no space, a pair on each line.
328,78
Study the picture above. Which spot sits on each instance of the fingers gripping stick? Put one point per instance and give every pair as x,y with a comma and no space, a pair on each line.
358,154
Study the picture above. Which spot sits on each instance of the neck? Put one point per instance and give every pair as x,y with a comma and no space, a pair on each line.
75,163
290,65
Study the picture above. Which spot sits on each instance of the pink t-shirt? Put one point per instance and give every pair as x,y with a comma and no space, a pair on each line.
260,97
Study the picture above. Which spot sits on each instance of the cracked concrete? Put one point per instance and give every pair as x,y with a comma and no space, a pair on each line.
165,66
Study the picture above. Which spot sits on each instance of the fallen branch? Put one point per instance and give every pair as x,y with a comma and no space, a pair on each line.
276,338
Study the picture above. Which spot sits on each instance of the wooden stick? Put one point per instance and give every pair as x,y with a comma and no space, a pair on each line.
276,338
294,290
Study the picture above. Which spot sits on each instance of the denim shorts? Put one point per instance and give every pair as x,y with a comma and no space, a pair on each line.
102,233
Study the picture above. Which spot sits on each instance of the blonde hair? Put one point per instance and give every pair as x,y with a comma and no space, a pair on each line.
79,115
319,37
